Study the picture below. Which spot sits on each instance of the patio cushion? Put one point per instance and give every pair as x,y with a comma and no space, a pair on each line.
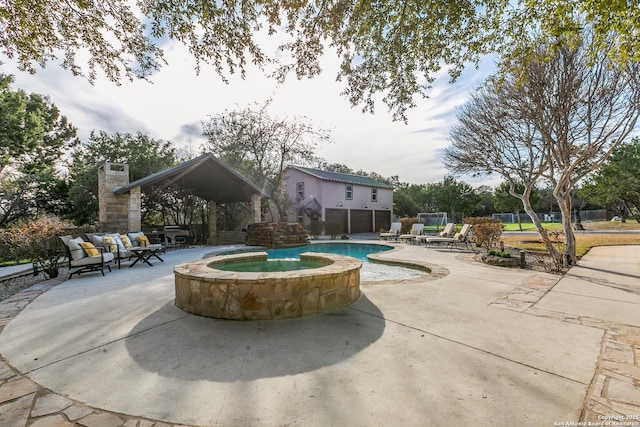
143,241
75,249
90,249
126,241
109,243
89,260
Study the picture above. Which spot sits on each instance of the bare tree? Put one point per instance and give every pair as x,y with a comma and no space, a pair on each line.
584,107
558,122
261,147
491,136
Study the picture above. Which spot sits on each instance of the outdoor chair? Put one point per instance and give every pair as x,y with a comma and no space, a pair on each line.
85,257
448,231
416,230
393,232
461,237
118,244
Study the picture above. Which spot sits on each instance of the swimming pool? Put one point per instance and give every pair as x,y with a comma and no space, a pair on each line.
370,272
354,250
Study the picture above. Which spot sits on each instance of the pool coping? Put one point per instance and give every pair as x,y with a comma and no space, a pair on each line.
432,271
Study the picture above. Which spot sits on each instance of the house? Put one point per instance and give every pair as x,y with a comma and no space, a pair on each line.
359,203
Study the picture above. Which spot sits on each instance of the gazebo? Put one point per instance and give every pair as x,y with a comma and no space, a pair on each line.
206,177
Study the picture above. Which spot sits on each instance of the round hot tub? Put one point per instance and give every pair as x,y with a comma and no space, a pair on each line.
248,286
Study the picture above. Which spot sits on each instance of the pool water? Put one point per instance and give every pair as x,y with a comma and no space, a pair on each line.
269,266
370,272
355,250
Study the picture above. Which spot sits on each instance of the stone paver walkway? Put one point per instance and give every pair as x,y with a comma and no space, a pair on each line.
615,389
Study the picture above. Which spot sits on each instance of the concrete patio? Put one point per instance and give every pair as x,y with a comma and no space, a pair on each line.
480,346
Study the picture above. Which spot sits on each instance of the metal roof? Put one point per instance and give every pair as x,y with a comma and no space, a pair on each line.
206,176
347,178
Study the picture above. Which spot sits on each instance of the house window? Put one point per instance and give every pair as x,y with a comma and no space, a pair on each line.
300,216
374,194
300,191
348,192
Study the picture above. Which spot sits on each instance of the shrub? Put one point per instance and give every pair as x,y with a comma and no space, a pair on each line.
486,231
333,228
37,241
407,223
500,254
315,229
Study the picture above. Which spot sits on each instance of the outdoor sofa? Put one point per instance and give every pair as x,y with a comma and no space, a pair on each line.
84,256
125,247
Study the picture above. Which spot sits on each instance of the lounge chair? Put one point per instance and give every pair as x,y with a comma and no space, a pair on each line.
84,256
393,232
447,232
416,230
461,237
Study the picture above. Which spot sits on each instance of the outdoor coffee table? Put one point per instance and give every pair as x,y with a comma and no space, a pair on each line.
144,253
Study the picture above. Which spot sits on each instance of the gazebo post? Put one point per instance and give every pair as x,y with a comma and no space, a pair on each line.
256,204
213,219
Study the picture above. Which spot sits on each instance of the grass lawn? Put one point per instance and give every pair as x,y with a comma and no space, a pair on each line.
584,242
528,226
11,263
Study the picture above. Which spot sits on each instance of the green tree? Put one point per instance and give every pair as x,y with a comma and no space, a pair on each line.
32,131
504,201
143,154
34,137
391,48
260,147
617,182
409,200
485,205
456,198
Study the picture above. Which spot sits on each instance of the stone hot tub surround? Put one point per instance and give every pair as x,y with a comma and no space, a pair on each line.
206,291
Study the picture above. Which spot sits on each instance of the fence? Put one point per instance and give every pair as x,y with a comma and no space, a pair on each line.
587,215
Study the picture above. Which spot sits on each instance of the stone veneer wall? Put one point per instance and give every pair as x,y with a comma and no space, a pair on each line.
276,234
203,290
117,213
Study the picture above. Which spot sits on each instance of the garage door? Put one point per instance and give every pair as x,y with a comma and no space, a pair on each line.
339,216
361,221
383,220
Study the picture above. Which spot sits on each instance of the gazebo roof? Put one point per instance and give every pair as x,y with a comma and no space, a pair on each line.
206,176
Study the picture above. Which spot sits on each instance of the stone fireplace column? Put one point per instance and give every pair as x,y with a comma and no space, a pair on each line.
117,213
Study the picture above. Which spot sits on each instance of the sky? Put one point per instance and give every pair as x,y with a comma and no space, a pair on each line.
178,100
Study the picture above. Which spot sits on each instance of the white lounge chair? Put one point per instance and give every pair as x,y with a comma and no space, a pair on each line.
447,232
416,230
393,232
461,237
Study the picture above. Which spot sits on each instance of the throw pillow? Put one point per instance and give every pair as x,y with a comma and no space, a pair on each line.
75,249
109,243
89,249
125,241
143,241
133,237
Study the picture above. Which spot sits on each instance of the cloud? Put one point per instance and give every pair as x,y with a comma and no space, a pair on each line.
174,105
191,130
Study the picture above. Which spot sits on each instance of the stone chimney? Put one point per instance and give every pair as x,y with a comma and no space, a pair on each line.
118,213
